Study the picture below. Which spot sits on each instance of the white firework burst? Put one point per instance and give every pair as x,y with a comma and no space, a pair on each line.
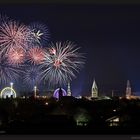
40,33
60,63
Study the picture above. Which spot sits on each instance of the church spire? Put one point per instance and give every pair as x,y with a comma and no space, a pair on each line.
128,89
94,90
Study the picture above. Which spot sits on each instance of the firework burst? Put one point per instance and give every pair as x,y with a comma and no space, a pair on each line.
60,63
32,76
40,33
13,34
15,56
8,73
35,55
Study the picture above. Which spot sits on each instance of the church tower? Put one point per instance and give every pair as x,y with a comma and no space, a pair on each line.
94,90
68,90
128,89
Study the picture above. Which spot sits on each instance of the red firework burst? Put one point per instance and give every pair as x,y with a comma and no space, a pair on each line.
35,55
15,55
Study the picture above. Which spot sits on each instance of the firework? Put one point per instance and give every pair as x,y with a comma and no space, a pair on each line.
60,63
13,34
8,73
32,76
35,55
40,33
15,56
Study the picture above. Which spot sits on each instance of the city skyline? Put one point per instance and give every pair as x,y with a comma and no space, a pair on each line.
107,34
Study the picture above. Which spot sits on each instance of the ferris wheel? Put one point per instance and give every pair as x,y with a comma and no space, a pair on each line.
8,92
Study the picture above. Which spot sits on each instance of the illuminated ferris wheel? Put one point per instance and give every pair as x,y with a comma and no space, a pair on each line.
8,92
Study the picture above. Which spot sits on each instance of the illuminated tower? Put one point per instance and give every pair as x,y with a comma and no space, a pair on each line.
94,90
128,89
35,91
68,90
11,85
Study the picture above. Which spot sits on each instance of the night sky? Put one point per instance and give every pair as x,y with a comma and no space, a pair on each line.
109,35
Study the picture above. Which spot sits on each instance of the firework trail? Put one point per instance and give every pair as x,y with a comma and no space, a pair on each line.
13,34
60,63
35,55
40,33
32,76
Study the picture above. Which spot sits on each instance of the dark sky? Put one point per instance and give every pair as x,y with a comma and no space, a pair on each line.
109,35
